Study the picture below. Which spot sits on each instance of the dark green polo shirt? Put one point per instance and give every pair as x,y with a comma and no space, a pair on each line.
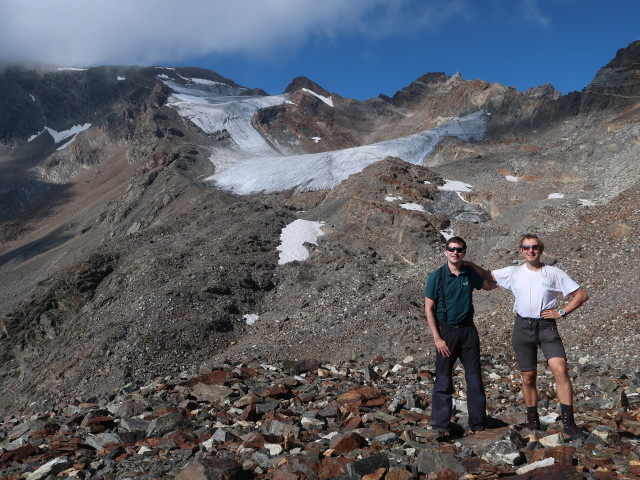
458,293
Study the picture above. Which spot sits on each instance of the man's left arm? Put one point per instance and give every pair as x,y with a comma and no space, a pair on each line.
577,298
486,274
485,280
489,285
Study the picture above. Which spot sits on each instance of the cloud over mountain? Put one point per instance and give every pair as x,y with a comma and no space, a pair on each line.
74,32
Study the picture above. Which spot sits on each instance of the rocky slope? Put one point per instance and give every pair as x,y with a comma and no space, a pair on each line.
311,420
120,266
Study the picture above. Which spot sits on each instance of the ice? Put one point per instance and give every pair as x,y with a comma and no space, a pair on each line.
254,165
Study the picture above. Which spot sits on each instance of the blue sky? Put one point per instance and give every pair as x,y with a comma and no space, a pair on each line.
356,48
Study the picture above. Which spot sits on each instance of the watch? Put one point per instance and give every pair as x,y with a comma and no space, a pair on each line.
562,312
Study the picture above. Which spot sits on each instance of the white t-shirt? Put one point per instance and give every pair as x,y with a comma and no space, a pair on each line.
535,291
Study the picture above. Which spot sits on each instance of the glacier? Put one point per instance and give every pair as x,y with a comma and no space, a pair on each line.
253,165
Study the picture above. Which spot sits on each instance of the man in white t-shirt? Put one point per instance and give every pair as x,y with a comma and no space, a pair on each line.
536,288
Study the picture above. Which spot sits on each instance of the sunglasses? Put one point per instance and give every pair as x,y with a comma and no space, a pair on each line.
455,249
527,247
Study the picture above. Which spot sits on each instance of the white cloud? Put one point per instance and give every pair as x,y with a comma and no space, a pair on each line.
144,32
531,12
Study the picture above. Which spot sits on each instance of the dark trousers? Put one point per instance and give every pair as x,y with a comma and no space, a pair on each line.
464,343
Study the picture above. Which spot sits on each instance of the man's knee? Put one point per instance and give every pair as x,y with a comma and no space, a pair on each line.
529,378
559,369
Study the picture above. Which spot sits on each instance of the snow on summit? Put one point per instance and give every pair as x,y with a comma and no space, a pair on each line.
254,165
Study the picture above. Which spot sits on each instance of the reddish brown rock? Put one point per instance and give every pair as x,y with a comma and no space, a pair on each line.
379,474
397,473
100,424
331,466
274,391
209,468
18,454
351,398
563,455
353,423
346,443
249,413
217,377
183,440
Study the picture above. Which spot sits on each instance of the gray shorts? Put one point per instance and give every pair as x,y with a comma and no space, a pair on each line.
528,333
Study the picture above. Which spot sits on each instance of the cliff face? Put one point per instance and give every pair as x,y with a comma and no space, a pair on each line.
119,263
617,84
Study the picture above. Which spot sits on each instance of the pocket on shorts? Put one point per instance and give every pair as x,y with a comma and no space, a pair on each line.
548,332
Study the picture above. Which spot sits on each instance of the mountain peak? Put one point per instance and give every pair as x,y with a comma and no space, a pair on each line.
547,91
299,83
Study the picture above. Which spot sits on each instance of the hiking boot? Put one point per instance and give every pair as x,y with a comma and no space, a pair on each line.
571,430
575,432
533,421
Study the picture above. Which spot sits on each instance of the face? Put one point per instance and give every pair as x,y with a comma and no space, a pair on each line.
457,254
531,250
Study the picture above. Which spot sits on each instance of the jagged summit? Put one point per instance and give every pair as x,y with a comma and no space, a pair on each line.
547,90
299,83
617,83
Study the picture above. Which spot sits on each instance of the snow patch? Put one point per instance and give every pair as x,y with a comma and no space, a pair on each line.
413,206
511,178
120,79
447,234
33,137
293,238
316,139
586,203
392,198
204,81
250,318
455,186
326,100
232,114
72,132
555,195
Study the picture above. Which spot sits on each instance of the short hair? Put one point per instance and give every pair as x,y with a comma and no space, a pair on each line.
456,240
531,236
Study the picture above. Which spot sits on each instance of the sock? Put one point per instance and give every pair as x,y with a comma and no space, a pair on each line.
566,411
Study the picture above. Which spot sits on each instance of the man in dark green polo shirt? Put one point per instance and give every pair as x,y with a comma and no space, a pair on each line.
448,306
